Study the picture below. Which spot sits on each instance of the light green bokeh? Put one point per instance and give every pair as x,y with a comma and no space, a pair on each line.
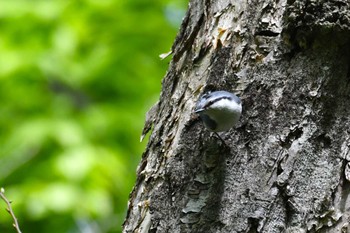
76,78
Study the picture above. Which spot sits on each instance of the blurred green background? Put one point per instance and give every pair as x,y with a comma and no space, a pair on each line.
76,79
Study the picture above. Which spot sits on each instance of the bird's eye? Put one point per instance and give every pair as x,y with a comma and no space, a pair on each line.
209,103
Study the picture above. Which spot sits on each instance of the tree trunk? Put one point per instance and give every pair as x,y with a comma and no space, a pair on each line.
284,167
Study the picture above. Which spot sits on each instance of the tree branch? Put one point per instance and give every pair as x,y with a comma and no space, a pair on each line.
9,210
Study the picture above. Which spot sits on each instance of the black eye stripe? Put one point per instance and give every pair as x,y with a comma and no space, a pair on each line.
211,102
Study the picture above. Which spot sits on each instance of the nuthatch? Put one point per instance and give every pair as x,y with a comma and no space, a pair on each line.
219,110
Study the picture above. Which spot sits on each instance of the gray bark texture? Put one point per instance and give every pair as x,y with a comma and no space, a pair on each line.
284,167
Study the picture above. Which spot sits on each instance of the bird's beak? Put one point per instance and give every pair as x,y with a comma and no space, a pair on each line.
199,110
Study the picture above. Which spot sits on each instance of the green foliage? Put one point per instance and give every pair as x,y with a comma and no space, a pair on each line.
76,78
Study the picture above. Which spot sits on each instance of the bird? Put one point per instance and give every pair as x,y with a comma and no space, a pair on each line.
219,110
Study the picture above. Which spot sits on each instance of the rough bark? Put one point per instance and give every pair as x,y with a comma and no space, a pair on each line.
284,168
